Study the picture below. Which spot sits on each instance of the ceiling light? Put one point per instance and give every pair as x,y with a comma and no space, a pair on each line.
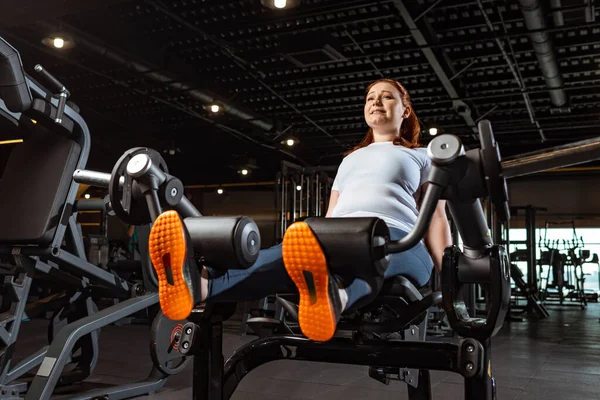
290,141
280,4
433,131
215,108
87,196
59,42
298,188
220,191
244,171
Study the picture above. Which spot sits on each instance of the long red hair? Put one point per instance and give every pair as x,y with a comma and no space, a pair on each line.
410,130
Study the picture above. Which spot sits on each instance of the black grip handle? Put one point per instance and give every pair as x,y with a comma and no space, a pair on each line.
53,84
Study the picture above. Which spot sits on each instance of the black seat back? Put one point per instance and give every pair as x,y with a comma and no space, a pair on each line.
34,187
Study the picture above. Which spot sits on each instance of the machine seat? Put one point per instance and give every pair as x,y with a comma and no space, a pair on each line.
400,286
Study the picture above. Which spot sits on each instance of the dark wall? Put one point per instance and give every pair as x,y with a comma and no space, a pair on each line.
564,197
256,204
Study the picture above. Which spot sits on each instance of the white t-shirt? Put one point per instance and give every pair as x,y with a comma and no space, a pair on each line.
380,180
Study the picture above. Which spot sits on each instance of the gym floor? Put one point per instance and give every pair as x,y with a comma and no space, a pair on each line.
556,358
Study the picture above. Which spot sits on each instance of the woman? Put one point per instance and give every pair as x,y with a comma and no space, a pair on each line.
384,176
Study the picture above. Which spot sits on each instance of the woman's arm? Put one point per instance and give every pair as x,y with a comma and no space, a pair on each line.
438,235
333,198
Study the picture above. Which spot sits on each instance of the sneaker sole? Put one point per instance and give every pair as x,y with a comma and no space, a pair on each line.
307,267
167,248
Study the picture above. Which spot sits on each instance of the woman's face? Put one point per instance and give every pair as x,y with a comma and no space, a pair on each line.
384,110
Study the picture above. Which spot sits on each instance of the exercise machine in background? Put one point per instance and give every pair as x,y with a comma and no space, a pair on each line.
301,192
561,268
40,238
526,285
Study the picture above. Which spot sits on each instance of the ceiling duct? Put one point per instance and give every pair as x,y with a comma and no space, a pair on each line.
544,50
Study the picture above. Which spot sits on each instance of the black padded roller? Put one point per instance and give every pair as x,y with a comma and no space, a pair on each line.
353,246
224,242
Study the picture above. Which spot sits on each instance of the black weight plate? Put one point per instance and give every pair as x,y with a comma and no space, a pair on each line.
164,345
492,168
138,213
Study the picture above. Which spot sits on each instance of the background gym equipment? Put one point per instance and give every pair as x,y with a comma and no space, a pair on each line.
40,235
459,176
301,192
526,285
561,268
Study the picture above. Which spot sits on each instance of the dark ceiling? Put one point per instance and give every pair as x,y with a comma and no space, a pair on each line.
145,71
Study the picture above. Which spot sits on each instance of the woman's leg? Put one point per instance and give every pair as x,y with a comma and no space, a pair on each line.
415,264
182,283
266,277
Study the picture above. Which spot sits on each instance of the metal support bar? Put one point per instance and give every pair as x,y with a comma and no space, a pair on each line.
431,7
459,73
485,114
60,350
420,355
555,157
96,274
26,365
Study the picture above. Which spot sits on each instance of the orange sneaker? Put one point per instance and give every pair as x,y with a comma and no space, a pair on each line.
320,306
173,260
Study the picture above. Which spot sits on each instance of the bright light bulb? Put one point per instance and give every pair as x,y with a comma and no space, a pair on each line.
280,3
433,131
220,191
244,172
298,188
290,142
215,108
59,43
87,195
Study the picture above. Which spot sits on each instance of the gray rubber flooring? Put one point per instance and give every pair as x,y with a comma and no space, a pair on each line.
556,358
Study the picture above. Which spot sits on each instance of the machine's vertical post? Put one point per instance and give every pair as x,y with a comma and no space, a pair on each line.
317,196
301,194
531,247
208,360
294,199
423,390
470,290
284,177
308,184
482,387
